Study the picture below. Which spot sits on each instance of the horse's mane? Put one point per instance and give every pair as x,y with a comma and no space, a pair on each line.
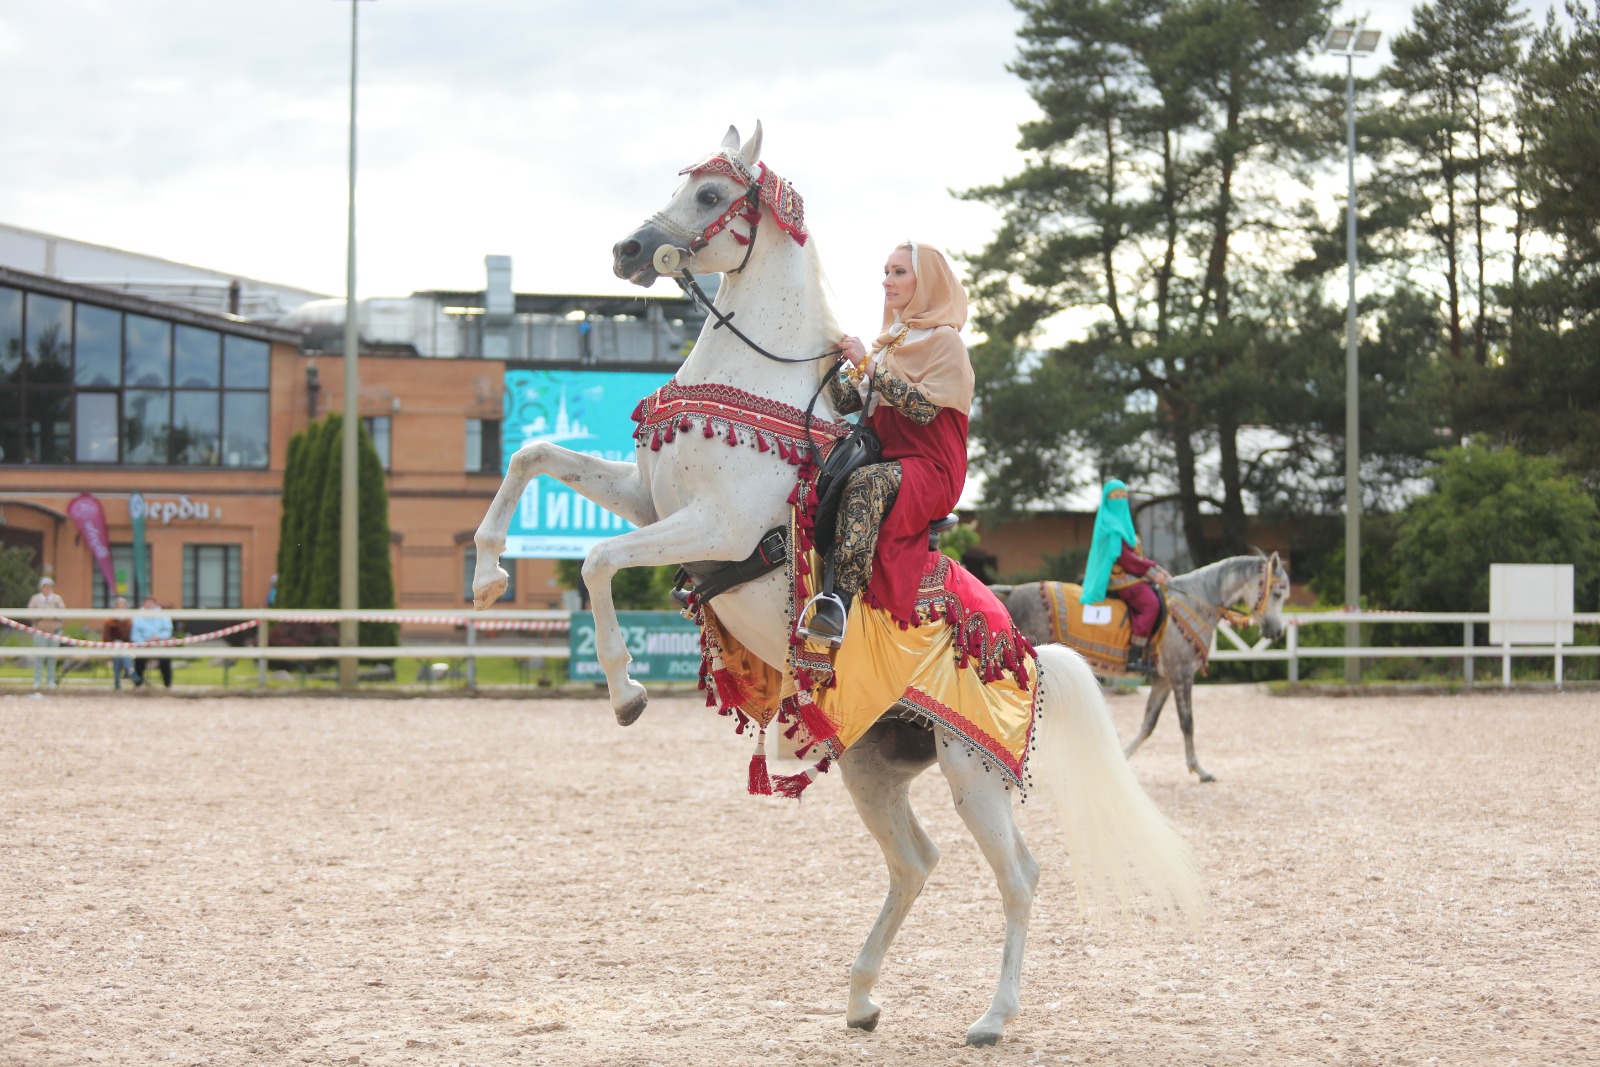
1212,575
822,298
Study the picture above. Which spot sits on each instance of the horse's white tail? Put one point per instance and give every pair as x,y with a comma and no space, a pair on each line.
1112,828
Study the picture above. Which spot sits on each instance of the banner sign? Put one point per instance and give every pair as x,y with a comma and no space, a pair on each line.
141,559
587,411
90,518
665,647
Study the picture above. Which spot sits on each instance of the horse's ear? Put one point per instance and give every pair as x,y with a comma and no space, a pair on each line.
751,152
730,140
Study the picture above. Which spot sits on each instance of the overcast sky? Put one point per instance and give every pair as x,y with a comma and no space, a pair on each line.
213,132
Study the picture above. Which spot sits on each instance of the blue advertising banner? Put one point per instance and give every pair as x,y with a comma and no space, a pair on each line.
584,410
664,645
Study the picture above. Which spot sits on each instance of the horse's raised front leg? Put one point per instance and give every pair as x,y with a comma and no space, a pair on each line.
984,804
615,486
1183,695
1159,688
878,771
690,534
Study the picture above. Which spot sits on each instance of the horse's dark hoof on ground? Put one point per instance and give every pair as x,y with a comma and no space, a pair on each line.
869,1024
629,712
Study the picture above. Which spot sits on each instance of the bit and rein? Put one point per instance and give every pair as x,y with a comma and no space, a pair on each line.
1257,611
672,260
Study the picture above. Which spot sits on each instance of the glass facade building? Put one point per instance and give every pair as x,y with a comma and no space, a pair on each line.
90,382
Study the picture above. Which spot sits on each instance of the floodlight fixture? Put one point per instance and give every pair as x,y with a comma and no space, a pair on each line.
1351,40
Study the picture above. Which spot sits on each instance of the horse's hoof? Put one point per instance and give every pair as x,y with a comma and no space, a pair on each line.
486,594
983,1036
868,1023
1207,777
628,711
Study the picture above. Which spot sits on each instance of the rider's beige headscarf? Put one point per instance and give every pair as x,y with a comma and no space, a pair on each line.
936,365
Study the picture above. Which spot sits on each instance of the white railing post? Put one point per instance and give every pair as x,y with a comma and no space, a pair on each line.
472,660
261,664
1505,657
1558,660
1467,660
1294,653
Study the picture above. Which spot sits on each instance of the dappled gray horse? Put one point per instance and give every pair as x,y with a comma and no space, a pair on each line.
1259,581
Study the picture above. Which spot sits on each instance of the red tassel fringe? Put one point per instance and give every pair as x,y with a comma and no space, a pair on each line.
760,781
816,723
730,689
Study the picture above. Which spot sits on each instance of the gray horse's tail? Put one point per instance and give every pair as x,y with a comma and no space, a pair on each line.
1118,839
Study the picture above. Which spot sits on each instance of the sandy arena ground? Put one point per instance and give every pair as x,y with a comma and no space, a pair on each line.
282,881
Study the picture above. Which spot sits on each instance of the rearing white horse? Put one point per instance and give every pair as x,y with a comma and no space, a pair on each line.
699,499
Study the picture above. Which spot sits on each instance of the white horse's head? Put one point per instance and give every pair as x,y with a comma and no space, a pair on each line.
707,221
1270,601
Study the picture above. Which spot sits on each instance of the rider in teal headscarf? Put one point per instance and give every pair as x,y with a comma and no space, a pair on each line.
1116,565
1113,527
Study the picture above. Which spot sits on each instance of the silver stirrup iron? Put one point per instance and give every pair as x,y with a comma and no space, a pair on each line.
814,606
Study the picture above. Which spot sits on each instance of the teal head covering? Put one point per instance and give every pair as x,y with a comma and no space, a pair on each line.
1113,527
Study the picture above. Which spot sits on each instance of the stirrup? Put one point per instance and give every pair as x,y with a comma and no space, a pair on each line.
1140,661
828,618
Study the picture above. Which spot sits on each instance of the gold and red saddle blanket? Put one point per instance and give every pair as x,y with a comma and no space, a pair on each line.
960,664
1100,633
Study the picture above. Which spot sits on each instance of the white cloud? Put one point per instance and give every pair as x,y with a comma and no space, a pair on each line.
215,133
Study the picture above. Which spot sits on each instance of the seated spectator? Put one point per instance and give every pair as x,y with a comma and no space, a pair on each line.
151,628
119,629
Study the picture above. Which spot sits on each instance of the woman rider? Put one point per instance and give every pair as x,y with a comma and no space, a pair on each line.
1117,565
917,387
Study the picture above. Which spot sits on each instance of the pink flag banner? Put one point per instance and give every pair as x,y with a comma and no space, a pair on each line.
91,519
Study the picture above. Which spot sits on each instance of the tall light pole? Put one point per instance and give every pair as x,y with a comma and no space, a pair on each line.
1351,41
349,455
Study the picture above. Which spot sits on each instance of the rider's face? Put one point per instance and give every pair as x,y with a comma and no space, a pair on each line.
899,283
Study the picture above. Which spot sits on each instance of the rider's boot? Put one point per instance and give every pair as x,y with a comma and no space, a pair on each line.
828,611
1139,661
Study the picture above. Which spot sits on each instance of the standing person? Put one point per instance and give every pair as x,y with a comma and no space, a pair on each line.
1116,565
916,385
121,630
151,628
44,667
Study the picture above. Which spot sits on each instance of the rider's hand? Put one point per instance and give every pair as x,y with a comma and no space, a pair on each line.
853,350
1162,576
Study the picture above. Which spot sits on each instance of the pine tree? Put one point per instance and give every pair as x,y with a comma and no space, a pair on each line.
1169,132
308,553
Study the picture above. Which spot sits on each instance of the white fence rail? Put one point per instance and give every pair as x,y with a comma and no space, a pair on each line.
1468,651
477,624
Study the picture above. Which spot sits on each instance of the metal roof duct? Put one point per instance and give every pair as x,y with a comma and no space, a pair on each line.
499,306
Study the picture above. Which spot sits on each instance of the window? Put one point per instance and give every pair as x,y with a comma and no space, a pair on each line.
470,563
244,429
195,428
378,429
483,446
87,384
122,567
97,427
98,347
211,576
147,353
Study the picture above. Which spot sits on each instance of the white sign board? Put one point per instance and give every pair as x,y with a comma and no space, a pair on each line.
1533,591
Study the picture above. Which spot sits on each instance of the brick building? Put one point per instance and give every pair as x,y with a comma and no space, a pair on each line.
107,393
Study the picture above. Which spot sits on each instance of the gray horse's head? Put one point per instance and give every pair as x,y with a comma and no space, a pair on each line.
1276,575
705,196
